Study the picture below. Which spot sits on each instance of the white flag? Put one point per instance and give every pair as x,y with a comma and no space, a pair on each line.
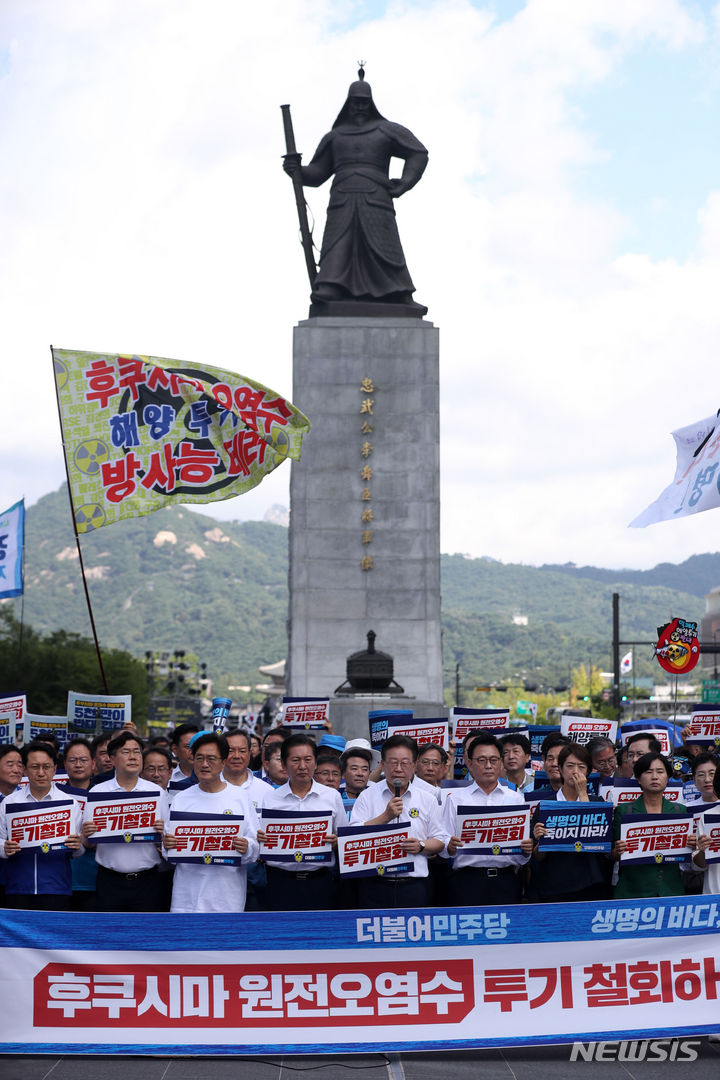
626,663
695,486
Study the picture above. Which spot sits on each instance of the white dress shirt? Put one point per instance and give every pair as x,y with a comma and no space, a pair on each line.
318,797
420,811
129,858
475,796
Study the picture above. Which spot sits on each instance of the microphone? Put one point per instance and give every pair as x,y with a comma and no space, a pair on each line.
397,787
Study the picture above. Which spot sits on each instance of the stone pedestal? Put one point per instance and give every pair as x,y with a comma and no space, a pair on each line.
365,504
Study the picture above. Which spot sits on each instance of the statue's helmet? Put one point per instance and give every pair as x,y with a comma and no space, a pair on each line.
358,89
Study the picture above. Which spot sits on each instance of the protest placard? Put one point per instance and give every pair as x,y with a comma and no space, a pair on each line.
655,838
305,714
43,825
575,826
204,839
372,850
492,830
296,836
123,816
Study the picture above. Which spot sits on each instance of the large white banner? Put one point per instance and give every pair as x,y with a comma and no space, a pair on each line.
402,979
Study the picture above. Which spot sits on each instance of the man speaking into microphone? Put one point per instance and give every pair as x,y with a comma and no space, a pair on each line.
398,798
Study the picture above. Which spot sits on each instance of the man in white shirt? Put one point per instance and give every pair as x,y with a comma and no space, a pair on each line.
181,742
515,749
399,798
483,879
302,886
236,769
35,879
237,772
214,887
128,878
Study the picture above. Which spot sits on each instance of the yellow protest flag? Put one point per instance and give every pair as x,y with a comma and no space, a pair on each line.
141,431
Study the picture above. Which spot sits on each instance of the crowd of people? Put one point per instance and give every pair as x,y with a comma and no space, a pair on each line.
235,777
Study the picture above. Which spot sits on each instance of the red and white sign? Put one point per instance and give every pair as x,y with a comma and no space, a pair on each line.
423,732
296,836
708,824
628,792
581,729
482,720
704,728
369,850
43,825
123,818
655,838
305,714
496,831
205,840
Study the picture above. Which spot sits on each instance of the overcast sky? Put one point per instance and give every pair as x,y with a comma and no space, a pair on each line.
565,237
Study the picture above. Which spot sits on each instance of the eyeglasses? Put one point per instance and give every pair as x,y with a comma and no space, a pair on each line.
78,761
485,760
399,763
200,759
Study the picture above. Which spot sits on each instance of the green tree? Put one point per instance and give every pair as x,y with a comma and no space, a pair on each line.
46,666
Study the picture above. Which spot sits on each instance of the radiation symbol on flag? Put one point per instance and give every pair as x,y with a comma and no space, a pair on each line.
658,857
381,870
44,848
298,856
281,445
127,837
496,850
228,811
207,859
678,649
90,455
61,374
89,517
414,812
578,845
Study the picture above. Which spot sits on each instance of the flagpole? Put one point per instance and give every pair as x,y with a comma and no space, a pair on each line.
77,538
22,604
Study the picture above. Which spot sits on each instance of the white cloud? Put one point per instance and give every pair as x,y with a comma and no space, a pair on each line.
146,209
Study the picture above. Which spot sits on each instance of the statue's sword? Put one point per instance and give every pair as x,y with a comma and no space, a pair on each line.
305,236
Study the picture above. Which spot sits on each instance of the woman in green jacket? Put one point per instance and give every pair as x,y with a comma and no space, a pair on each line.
652,771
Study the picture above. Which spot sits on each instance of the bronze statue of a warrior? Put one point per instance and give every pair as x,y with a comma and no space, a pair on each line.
362,260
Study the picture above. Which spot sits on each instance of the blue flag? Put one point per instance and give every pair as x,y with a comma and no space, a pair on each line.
12,538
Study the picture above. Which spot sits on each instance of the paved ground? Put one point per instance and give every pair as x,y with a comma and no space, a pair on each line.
531,1063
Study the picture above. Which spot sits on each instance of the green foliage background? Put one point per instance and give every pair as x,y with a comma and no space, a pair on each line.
177,579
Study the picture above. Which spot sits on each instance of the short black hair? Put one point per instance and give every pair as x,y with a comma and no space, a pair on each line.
552,740
706,758
483,739
37,745
423,750
397,742
516,738
643,764
183,729
124,737
77,741
327,758
211,738
356,751
655,746
162,750
239,731
7,748
574,749
298,739
101,740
